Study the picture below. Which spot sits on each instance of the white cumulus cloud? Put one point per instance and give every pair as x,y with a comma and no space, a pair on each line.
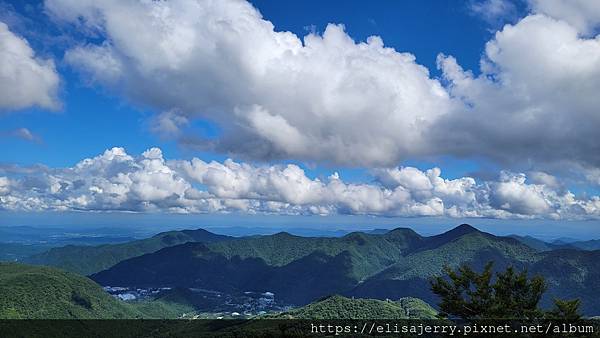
581,14
25,80
117,181
535,100
276,95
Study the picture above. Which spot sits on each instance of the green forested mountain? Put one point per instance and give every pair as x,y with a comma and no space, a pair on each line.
274,262
170,305
475,247
35,292
302,269
339,307
571,274
195,265
369,252
86,260
411,275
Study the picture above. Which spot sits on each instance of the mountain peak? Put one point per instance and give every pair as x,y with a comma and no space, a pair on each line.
402,230
464,229
402,233
283,234
451,235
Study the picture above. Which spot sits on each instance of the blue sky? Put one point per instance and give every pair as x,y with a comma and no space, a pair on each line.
506,152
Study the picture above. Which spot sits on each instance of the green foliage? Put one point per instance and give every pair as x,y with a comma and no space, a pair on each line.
338,307
172,304
160,309
31,292
81,300
567,310
517,296
469,295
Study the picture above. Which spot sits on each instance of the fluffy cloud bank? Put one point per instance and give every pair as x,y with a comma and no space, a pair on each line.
117,181
25,80
325,97
275,95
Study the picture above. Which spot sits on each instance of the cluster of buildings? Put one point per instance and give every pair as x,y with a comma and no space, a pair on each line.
128,293
210,303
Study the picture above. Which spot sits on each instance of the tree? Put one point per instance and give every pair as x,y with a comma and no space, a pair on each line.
469,295
567,310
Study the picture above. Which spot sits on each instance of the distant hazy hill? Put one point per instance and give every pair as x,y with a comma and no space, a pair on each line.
338,307
564,243
89,259
396,264
35,292
534,243
11,252
593,244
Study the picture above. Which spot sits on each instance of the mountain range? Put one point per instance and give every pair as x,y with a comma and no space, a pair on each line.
389,265
300,270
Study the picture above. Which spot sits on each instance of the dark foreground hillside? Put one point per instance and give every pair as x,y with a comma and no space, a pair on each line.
32,292
338,307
